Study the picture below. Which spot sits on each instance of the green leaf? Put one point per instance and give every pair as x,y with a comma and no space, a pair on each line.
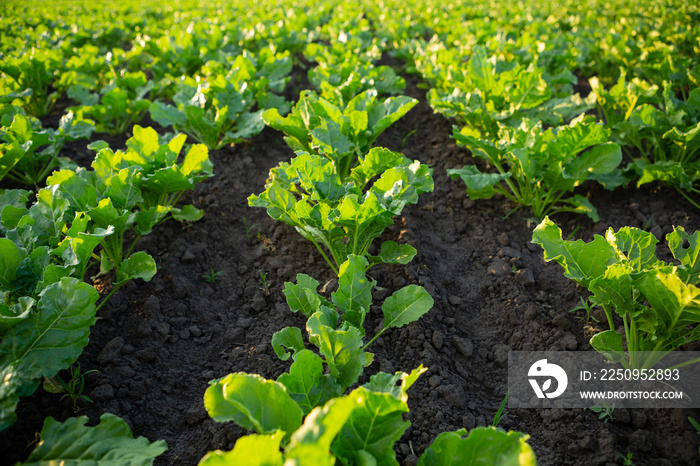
138,265
637,245
406,305
670,172
109,442
372,429
614,288
10,258
609,343
386,383
401,185
376,161
13,315
342,349
600,160
289,337
47,341
690,256
253,402
311,444
307,384
393,253
354,294
167,115
676,303
302,296
581,261
188,213
251,450
483,445
479,185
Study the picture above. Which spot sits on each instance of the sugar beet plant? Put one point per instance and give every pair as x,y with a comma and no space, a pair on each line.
344,216
538,168
658,302
343,134
226,107
46,250
306,411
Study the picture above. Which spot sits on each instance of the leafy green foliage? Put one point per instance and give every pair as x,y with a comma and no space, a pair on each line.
658,302
219,111
343,134
118,105
483,445
28,152
537,168
46,341
340,345
136,189
342,215
28,79
111,441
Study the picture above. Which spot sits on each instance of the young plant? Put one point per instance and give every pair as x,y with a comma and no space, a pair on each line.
487,92
249,229
117,106
29,79
537,168
263,281
658,302
501,413
305,412
604,412
226,106
111,441
211,276
343,134
342,215
28,152
73,388
134,191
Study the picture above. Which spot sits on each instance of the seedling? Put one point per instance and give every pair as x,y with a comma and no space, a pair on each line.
626,460
211,276
604,411
72,388
249,229
501,413
585,306
263,281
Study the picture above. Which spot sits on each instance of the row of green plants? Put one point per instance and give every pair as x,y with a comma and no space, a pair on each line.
511,84
85,221
340,193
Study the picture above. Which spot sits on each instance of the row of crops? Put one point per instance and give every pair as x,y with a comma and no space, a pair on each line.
547,97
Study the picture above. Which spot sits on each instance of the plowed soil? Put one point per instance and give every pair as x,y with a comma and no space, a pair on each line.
156,345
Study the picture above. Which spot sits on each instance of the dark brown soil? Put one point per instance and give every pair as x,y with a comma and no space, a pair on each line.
157,344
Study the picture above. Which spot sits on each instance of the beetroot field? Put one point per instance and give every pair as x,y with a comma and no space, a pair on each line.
312,233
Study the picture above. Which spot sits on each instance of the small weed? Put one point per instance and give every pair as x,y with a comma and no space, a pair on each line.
649,224
405,138
626,460
249,229
263,281
573,232
72,388
211,276
585,306
604,412
500,414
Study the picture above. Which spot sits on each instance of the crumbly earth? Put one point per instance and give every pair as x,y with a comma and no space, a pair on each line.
156,345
